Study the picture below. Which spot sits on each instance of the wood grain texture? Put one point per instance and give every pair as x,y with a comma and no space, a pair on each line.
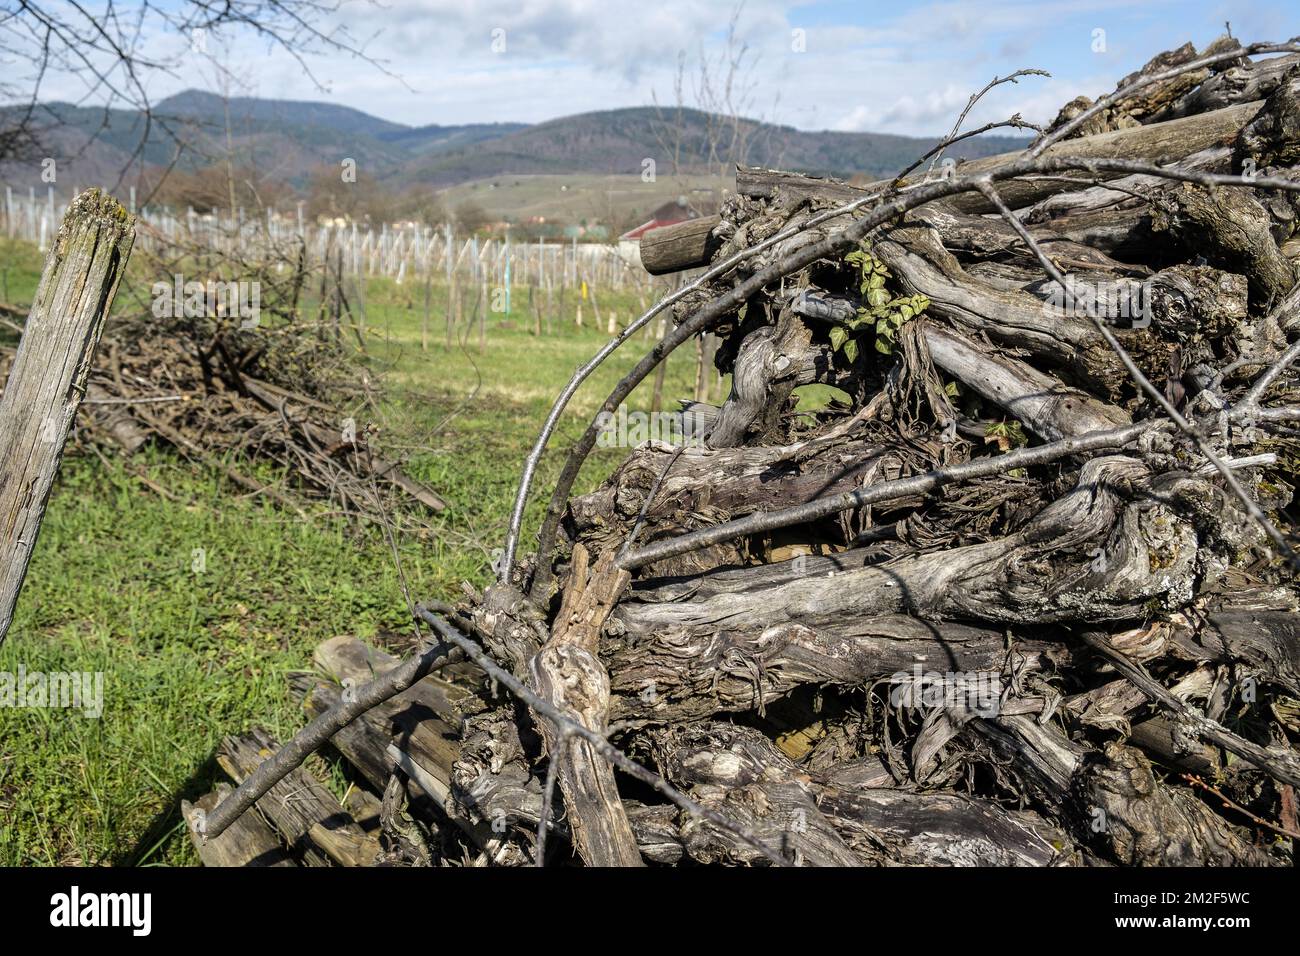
567,672
692,241
48,378
311,819
248,841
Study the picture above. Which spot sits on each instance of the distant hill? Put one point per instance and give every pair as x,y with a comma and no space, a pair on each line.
617,141
423,140
211,108
287,139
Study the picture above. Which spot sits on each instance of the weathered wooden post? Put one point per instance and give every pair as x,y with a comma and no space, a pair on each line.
48,378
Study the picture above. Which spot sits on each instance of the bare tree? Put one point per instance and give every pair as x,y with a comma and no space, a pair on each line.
115,50
718,126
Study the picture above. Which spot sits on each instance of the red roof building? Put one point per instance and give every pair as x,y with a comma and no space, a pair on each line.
668,214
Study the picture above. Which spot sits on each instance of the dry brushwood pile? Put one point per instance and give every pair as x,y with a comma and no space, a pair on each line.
1022,592
231,377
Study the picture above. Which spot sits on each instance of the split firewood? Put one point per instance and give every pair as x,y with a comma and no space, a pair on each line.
250,842
312,820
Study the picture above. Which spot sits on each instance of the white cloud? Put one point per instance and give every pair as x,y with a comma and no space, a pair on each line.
878,67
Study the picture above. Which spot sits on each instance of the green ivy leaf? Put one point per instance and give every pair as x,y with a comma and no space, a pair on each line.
851,350
886,314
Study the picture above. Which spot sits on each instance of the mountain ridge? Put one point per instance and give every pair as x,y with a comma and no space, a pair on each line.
290,139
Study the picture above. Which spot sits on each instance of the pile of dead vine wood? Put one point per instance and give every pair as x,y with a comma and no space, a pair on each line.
222,360
986,559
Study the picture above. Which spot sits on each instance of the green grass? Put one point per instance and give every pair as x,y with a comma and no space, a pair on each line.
187,656
573,197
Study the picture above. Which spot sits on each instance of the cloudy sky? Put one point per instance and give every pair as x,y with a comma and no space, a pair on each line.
897,66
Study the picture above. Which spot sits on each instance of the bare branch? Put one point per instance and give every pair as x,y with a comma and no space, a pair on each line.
1252,508
764,521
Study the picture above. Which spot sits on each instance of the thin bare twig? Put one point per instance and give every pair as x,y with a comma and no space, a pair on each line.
765,521
548,791
952,137
1282,765
1252,508
1196,781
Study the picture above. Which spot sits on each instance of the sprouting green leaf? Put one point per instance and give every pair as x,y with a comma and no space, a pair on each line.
1006,435
886,314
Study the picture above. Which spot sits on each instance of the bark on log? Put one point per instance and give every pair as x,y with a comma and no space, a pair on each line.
827,824
1268,640
1145,823
427,755
1203,140
1041,402
1118,193
737,772
1232,230
1238,84
1272,137
48,379
673,674
1039,756
1066,342
313,822
349,661
721,481
1162,143
422,722
989,582
689,241
247,842
939,829
978,237
568,674
1162,739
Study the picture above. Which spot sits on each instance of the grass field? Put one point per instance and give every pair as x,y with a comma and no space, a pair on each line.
188,657
575,197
